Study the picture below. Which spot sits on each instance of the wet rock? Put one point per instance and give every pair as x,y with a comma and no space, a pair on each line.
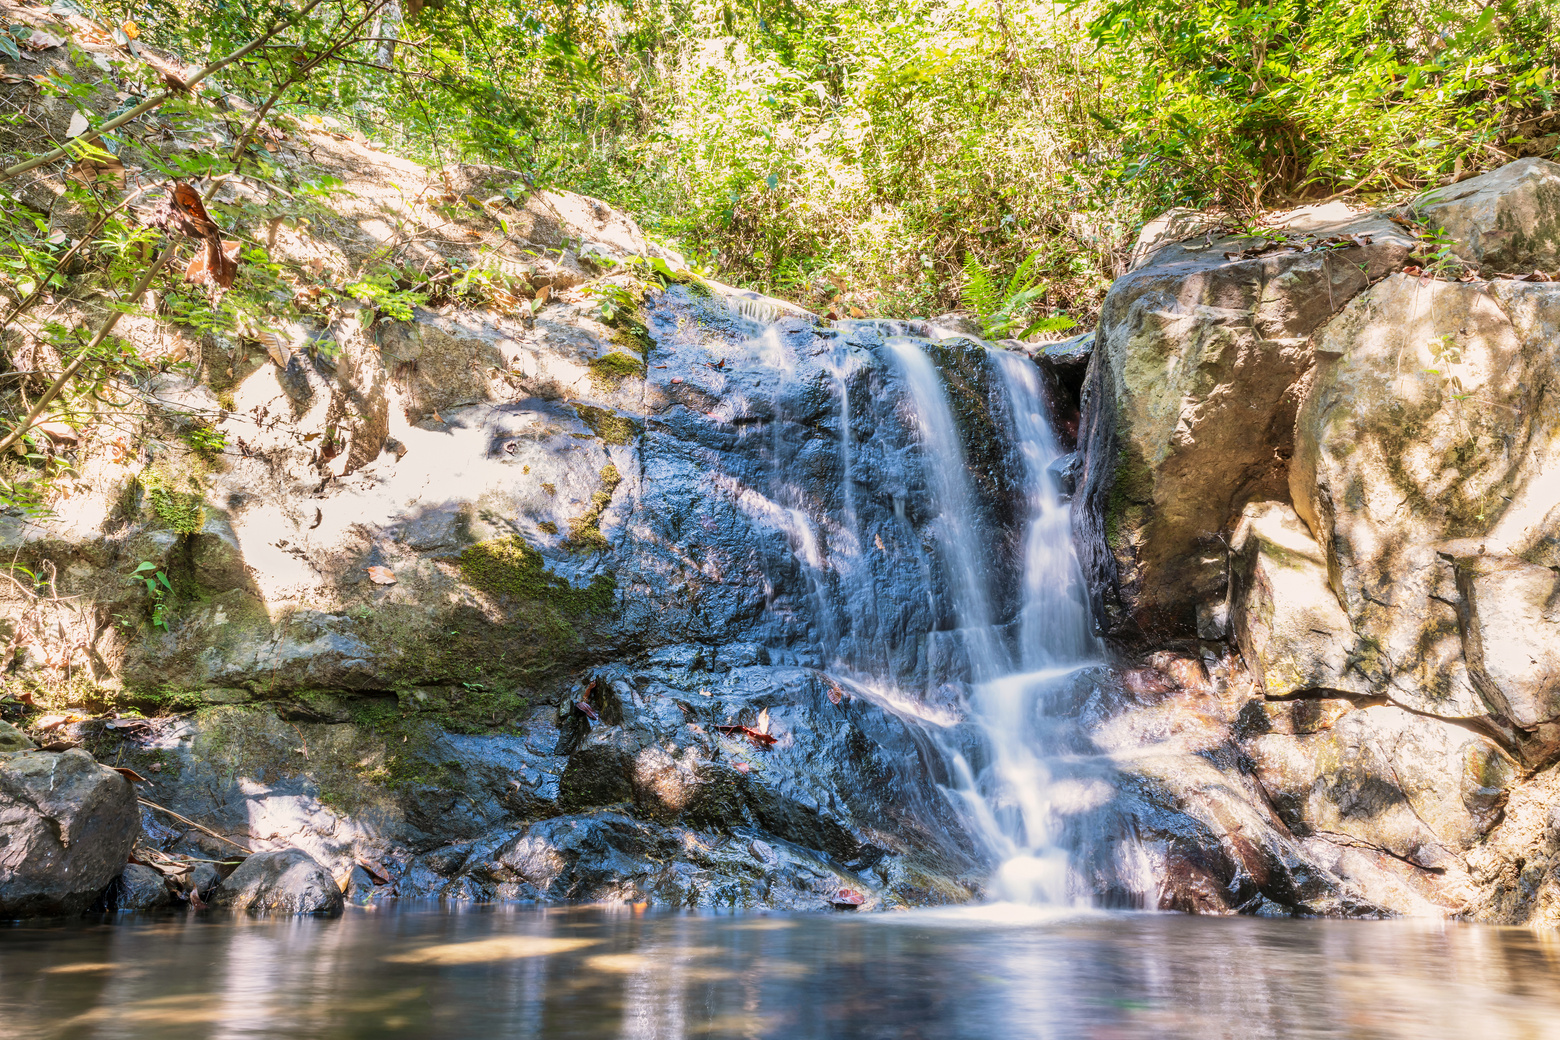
287,881
139,888
66,828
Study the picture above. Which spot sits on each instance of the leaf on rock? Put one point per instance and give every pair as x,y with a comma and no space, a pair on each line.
381,575
130,774
42,41
760,740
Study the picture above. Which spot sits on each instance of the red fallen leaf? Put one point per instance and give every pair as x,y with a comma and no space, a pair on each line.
762,740
677,379
587,711
743,767
196,901
847,899
376,872
381,575
1412,269
130,774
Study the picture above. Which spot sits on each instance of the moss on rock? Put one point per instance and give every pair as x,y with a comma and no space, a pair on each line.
609,370
608,425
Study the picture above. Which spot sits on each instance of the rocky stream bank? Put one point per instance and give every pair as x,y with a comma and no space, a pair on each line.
625,585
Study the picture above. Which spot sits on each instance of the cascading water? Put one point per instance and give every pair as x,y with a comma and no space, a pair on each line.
1002,650
1010,798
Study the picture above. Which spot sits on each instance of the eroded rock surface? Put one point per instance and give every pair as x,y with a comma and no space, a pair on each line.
287,881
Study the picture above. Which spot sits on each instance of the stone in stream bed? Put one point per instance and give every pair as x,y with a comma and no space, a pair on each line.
13,739
66,827
139,888
286,881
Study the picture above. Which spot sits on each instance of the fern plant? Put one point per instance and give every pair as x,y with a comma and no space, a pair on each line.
1001,307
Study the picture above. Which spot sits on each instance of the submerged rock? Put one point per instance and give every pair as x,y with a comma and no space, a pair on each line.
66,828
287,881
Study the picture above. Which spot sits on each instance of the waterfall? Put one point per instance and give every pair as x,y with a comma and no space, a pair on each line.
1011,798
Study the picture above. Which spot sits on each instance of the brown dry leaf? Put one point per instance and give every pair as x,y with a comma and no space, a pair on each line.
763,721
42,41
216,264
130,774
381,575
275,347
49,722
857,312
542,294
110,169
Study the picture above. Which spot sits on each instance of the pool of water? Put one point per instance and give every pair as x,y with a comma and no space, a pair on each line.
990,973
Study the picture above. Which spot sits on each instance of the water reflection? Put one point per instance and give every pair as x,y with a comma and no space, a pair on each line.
992,972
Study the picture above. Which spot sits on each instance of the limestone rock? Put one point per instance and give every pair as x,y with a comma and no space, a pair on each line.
287,881
1287,621
1430,420
66,828
1509,612
1504,220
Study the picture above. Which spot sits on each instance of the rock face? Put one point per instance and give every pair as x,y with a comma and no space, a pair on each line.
1353,480
66,828
287,881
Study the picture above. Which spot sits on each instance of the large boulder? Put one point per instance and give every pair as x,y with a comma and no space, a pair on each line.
1505,220
1430,434
66,828
286,881
1190,401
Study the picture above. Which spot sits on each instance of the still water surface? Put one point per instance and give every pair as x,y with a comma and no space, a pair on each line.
987,974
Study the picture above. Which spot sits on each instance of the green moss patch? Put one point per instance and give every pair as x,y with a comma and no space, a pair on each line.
585,531
510,567
178,505
608,425
609,370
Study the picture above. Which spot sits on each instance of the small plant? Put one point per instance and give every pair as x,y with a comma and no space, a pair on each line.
1002,307
158,589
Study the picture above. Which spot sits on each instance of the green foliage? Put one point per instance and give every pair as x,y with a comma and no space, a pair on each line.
178,508
1002,308
158,589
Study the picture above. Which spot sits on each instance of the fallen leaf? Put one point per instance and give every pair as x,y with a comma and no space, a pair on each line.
877,540
131,30
847,899
42,41
130,774
276,348
89,170
78,125
376,871
542,294
743,767
761,740
763,722
381,575
857,312
586,710
60,745
49,722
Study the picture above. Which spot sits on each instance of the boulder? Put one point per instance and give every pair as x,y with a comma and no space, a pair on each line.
1428,431
286,881
66,828
1504,220
1189,406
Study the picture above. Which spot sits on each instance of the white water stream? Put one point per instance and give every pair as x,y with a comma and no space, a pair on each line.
1010,798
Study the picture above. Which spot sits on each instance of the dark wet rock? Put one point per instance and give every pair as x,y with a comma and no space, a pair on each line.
287,881
66,828
138,888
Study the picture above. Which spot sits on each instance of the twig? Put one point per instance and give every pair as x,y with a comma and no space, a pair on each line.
153,102
192,823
